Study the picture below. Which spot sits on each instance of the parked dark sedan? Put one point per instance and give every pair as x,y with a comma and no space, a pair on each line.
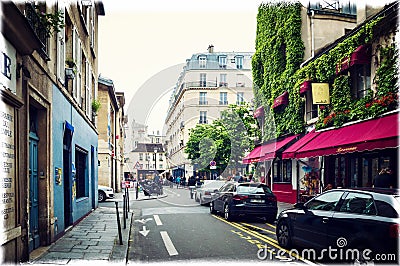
356,219
240,199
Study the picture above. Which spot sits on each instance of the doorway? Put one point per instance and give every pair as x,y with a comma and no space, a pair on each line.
34,238
67,177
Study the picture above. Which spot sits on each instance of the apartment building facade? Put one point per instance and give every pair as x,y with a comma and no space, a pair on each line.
111,134
144,152
208,83
50,137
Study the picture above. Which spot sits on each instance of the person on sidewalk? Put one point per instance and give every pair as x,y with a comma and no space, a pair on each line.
178,181
384,179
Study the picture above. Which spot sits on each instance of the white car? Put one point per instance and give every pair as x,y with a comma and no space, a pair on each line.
105,193
205,193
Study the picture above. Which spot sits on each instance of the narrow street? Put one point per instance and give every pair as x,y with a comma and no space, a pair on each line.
176,228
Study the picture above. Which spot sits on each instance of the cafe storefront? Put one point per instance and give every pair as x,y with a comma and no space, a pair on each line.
350,156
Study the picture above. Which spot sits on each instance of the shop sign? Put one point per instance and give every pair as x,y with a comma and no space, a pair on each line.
320,93
8,65
349,149
7,170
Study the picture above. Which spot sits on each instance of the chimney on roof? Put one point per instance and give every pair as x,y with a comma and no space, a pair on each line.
210,48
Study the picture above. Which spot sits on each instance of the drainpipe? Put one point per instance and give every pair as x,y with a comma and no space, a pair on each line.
312,34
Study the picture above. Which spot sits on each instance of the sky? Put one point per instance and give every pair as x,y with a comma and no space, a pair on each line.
143,45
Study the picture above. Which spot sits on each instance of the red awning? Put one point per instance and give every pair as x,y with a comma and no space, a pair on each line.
253,156
291,151
361,56
305,86
267,151
259,112
373,134
281,100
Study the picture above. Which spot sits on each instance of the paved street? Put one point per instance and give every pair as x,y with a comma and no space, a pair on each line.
176,228
170,227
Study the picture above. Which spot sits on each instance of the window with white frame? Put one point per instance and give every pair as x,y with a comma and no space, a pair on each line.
223,98
222,61
203,117
78,75
311,109
222,80
203,79
239,62
202,98
361,80
141,156
240,80
202,61
240,98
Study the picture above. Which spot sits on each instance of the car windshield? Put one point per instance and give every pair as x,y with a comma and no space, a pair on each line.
253,189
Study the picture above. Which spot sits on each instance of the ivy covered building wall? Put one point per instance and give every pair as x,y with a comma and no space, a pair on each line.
359,68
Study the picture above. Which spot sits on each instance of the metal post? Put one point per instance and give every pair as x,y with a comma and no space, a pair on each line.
128,202
119,224
123,209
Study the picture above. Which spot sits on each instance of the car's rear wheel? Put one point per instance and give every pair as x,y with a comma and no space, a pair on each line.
212,210
102,196
227,213
283,234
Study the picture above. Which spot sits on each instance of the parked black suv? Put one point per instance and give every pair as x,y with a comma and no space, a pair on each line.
344,219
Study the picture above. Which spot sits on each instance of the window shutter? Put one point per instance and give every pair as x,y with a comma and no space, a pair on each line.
78,60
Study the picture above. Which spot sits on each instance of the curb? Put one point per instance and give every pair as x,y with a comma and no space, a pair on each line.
151,197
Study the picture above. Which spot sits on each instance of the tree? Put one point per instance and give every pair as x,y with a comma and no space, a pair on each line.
225,140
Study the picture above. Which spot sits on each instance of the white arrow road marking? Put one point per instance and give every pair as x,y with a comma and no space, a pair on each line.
144,232
143,221
157,219
168,244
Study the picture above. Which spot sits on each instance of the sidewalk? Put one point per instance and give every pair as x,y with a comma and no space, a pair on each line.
93,239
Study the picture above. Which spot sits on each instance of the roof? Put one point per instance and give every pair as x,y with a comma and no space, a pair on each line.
149,147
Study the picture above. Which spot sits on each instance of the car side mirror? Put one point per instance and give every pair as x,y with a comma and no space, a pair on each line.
300,205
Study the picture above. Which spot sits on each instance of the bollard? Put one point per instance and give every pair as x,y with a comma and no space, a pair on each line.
124,210
119,224
129,209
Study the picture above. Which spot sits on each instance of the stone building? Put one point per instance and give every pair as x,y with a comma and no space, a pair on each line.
111,136
48,135
208,83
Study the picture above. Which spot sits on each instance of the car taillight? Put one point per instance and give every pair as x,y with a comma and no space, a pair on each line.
240,197
271,198
207,193
394,231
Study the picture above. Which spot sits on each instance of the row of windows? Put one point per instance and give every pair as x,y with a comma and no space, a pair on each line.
223,98
222,61
160,157
240,81
151,166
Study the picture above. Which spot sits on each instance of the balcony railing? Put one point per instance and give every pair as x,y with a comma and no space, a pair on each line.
38,27
201,84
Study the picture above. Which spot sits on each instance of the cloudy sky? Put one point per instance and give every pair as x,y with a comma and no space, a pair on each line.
139,39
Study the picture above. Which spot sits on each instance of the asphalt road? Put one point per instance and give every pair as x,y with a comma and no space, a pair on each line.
177,229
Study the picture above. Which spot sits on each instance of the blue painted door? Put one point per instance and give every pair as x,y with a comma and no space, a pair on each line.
34,240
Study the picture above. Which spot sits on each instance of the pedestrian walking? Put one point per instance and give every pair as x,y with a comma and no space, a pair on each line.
178,181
